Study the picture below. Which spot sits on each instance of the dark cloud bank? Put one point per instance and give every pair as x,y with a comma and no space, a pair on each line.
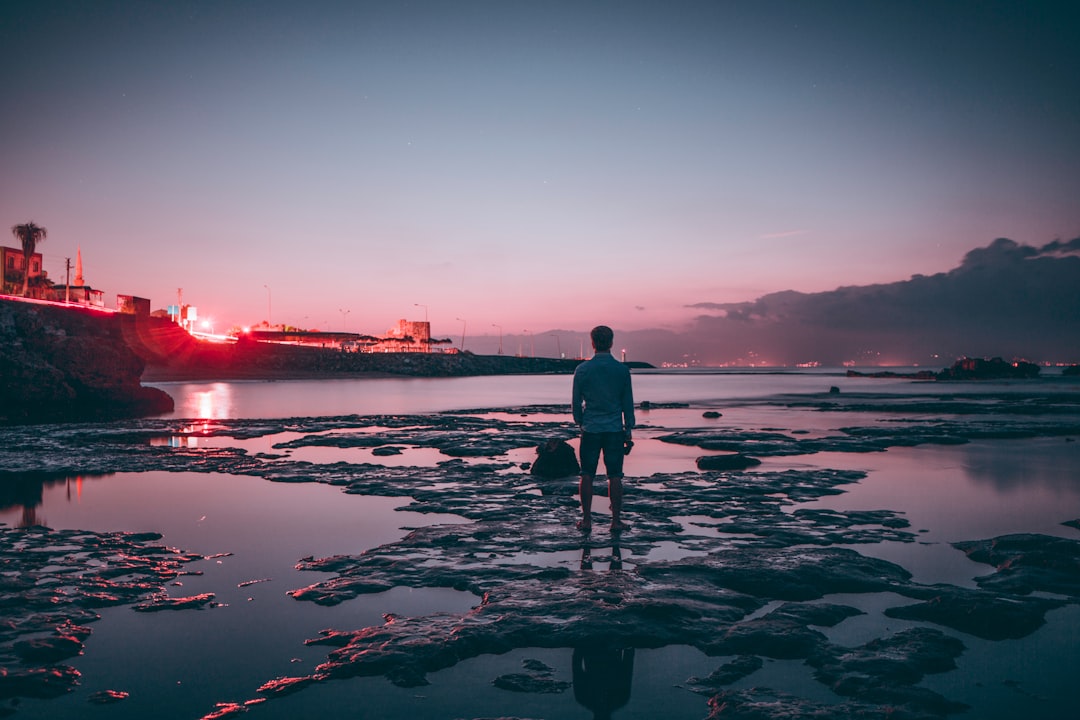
1006,299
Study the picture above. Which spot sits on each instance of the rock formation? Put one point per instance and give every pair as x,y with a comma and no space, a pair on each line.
68,363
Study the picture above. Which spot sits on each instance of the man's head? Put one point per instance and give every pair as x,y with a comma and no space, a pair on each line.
602,338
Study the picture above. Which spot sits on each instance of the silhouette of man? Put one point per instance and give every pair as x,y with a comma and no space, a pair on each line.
603,406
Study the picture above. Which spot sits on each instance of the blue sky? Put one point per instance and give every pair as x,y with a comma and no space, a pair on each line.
531,165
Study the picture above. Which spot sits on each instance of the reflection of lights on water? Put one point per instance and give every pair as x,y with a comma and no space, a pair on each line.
214,403
205,403
175,441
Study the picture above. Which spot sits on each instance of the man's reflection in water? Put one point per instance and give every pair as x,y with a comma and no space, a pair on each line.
602,673
616,556
602,677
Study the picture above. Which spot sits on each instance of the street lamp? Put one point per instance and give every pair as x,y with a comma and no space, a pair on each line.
268,321
532,343
344,313
462,335
558,343
500,336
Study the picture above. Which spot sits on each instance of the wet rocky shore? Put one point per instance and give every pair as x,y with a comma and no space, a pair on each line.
727,562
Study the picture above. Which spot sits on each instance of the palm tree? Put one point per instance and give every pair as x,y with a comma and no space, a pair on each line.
29,235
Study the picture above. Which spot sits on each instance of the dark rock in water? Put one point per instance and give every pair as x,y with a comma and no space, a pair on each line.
48,650
47,682
726,674
884,671
386,451
710,414
555,459
778,573
783,633
762,703
1028,563
650,405
285,685
981,614
66,363
1072,523
834,390
539,677
107,697
161,602
229,709
903,657
726,462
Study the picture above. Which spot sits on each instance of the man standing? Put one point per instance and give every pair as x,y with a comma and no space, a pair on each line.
603,405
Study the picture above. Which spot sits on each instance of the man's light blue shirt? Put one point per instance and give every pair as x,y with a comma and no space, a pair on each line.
603,400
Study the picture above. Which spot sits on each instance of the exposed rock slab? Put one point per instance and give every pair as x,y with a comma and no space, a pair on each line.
1027,563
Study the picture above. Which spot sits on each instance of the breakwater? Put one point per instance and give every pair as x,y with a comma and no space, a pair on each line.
172,354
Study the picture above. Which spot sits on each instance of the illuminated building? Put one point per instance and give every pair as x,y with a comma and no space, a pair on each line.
11,259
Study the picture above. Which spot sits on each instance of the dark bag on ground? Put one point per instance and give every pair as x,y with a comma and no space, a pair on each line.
555,459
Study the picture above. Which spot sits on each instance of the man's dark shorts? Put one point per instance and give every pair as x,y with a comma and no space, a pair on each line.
611,444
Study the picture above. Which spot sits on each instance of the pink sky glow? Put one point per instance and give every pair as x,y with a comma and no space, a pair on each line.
529,166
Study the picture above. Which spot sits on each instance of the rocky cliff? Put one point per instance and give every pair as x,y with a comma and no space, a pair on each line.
66,363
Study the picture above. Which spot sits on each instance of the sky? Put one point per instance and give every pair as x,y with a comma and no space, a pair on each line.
523,166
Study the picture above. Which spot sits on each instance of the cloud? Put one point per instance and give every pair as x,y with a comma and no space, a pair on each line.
1000,252
1061,248
1004,299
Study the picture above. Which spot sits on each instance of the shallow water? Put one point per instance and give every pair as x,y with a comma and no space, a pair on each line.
177,665
187,661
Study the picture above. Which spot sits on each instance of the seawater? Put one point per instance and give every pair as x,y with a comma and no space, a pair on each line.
378,396
178,665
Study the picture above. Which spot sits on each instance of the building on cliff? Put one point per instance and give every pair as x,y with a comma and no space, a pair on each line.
12,260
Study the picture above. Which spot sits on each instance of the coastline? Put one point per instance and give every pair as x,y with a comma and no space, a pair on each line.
805,559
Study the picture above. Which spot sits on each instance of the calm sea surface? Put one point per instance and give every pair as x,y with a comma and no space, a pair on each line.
178,665
293,398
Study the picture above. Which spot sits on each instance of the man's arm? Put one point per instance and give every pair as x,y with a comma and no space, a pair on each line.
576,400
628,406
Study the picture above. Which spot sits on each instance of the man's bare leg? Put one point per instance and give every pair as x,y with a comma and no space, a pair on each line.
615,495
585,489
